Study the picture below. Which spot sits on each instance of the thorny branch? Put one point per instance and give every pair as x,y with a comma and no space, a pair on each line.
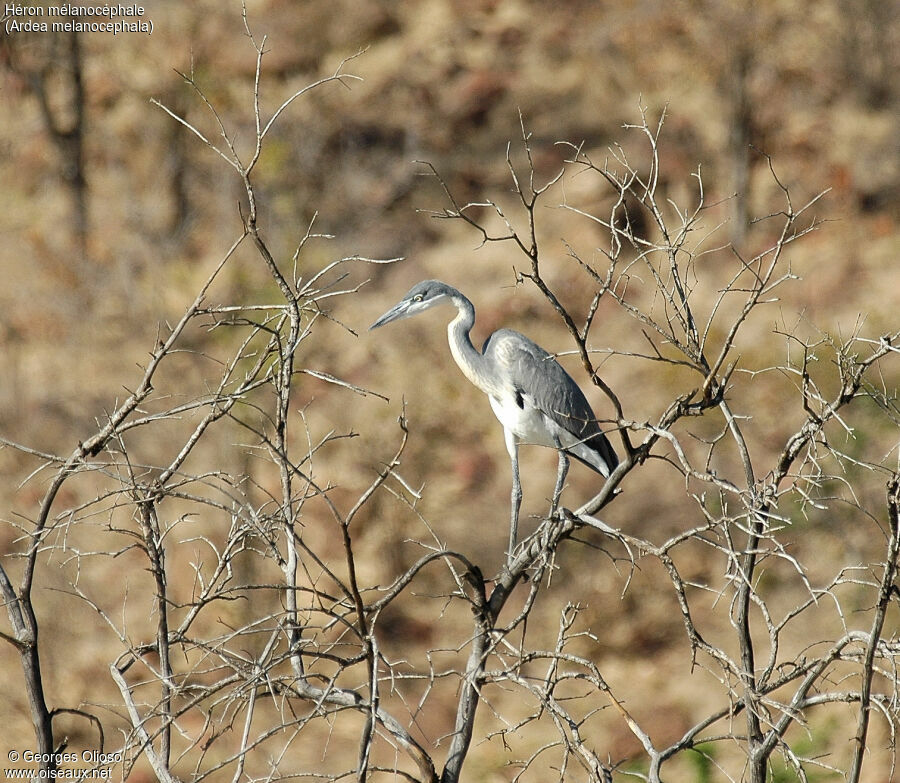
688,329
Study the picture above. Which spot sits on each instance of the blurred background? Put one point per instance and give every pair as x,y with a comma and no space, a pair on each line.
112,214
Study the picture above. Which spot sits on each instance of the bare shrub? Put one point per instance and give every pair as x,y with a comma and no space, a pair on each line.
270,658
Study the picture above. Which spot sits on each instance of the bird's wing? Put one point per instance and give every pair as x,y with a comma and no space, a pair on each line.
535,373
544,384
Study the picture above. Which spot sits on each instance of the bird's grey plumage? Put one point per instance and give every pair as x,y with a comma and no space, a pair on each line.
535,399
540,380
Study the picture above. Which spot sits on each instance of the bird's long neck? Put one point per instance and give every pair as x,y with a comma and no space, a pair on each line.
469,359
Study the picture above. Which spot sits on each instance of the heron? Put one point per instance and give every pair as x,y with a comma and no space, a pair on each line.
535,399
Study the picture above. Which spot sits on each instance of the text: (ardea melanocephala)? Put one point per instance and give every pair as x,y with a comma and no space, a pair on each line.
535,399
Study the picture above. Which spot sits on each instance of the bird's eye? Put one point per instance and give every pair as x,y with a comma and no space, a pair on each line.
417,298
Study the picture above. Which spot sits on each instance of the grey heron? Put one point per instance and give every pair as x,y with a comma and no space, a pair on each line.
535,399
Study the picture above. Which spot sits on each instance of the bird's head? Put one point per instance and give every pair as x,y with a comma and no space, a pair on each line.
419,298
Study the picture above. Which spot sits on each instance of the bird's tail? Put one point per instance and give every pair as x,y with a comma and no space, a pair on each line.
597,453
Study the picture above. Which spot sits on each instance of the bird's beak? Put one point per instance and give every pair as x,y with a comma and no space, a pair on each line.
399,310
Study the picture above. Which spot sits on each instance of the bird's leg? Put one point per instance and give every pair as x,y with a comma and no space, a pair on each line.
515,498
562,470
515,502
